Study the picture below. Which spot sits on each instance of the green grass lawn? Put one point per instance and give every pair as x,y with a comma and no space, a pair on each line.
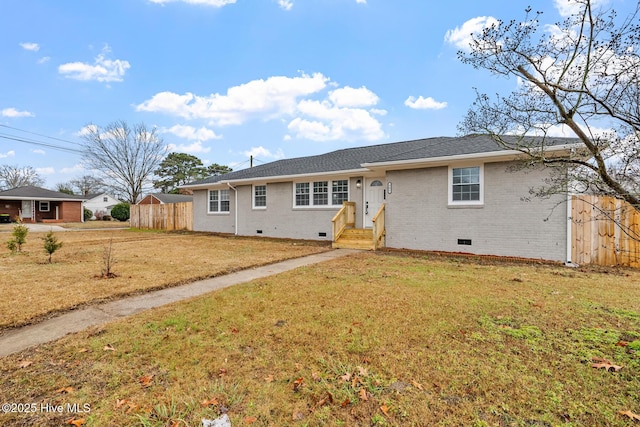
371,339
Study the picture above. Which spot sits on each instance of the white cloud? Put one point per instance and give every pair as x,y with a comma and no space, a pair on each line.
570,7
195,147
461,37
424,103
38,151
102,70
50,170
214,3
44,59
77,168
264,153
350,97
270,98
285,4
13,113
361,1
328,122
34,47
9,153
191,133
345,113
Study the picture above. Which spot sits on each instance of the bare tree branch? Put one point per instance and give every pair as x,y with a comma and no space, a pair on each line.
126,156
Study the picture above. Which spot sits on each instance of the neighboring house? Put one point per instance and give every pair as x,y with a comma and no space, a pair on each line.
100,202
436,194
164,198
35,204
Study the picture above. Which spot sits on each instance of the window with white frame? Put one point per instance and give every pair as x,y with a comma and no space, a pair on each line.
466,185
302,194
218,201
105,199
44,206
339,191
321,193
259,196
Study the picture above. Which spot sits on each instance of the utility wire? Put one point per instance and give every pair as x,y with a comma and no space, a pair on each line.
44,136
41,144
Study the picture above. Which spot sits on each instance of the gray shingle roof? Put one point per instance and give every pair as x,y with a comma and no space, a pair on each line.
32,192
172,198
353,158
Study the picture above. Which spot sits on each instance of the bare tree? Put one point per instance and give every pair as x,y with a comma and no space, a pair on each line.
126,156
581,75
15,176
88,184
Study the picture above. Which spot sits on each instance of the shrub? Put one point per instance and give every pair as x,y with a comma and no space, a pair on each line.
120,211
51,244
107,218
19,234
87,214
99,215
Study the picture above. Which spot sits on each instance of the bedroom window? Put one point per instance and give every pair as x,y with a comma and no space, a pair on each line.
218,201
259,196
44,207
465,186
321,193
302,194
339,191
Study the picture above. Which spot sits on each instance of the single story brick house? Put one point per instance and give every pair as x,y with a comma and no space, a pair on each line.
450,194
35,204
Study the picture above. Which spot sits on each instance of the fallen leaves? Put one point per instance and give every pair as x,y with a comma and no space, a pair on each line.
65,390
631,415
297,384
146,380
76,422
24,363
109,347
600,363
209,402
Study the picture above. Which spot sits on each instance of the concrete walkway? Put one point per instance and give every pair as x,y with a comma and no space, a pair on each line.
20,339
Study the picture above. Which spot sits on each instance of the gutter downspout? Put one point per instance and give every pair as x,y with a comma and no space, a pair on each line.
235,207
569,262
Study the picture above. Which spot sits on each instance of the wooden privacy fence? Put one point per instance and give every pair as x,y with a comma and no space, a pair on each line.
605,231
168,216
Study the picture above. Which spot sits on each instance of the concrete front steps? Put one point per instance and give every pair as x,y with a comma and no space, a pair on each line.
355,238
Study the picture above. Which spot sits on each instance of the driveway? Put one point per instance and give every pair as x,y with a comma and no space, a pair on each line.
44,228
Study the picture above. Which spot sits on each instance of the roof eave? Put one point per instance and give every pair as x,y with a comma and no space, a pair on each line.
275,178
487,157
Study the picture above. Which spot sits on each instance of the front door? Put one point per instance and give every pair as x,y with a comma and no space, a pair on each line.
26,209
374,196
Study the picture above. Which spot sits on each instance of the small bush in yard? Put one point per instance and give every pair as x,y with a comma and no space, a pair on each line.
99,215
19,234
120,211
51,244
87,214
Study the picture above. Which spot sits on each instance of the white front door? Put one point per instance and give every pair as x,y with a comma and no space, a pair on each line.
374,196
26,209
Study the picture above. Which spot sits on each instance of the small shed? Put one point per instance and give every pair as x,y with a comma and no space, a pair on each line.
164,198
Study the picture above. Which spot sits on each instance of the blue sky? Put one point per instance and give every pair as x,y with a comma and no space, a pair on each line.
226,79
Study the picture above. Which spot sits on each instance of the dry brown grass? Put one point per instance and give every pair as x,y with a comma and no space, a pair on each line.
31,288
372,339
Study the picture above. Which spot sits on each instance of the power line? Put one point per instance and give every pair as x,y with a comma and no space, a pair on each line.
44,136
41,144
